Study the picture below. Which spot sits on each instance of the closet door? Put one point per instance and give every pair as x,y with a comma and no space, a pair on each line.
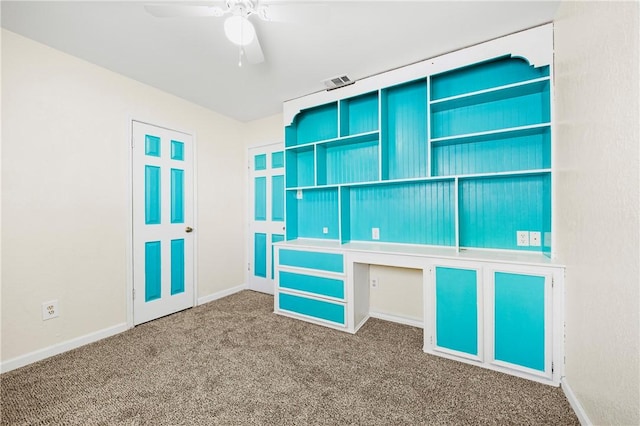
266,213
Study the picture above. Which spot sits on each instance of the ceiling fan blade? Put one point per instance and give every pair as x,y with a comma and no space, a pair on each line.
314,13
182,10
253,52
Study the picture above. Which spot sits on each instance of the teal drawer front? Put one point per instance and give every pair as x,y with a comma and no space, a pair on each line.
331,262
318,285
314,308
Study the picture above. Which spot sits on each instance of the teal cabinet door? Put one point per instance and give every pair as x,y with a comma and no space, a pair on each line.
457,311
520,320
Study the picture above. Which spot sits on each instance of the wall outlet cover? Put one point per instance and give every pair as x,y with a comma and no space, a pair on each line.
522,238
325,230
375,233
50,310
299,194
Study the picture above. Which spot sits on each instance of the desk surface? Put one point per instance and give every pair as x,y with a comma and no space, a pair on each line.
500,256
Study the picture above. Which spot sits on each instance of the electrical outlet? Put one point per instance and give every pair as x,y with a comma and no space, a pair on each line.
534,239
522,238
50,310
325,230
299,194
375,233
374,282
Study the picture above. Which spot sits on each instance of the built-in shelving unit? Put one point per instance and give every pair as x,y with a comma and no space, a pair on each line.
444,166
460,158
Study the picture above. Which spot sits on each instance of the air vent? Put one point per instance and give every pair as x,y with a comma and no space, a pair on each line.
337,82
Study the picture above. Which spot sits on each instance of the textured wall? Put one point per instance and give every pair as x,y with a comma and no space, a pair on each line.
597,233
65,180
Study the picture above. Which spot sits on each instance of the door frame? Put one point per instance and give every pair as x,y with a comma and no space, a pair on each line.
248,202
129,247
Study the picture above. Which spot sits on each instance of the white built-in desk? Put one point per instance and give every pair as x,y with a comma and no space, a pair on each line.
495,309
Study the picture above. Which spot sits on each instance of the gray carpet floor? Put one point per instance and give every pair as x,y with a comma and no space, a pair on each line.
234,362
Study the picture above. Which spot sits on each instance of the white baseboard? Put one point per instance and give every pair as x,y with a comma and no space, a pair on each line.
575,403
398,319
220,294
59,348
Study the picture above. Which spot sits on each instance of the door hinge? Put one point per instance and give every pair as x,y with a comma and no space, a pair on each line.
134,294
552,367
248,266
552,282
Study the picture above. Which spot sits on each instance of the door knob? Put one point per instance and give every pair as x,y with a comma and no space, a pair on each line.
188,229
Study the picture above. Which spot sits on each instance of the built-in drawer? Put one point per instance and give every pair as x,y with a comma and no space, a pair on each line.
322,286
331,262
317,309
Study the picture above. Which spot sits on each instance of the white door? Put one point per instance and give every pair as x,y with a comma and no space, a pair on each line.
266,212
163,246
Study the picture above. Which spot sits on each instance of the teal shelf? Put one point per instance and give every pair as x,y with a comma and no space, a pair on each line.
493,209
300,166
526,148
485,75
309,216
359,114
348,160
404,144
312,125
421,212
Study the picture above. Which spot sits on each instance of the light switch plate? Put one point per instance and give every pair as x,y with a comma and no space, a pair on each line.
534,239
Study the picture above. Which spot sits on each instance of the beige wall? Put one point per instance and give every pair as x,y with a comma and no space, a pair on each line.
597,163
399,292
65,186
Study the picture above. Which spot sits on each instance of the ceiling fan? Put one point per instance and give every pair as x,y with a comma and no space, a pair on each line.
238,26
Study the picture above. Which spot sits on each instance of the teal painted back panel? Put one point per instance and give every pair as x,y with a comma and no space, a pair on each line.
275,238
318,209
519,319
314,308
493,209
291,207
177,150
152,212
359,114
177,266
300,167
318,123
356,162
152,271
260,198
152,145
485,75
404,136
457,309
413,213
523,150
260,162
277,159
177,196
332,262
260,254
311,284
520,106
345,214
277,198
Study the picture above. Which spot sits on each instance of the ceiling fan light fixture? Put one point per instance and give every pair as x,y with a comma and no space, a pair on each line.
239,30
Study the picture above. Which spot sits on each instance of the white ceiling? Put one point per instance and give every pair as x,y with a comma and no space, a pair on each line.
191,58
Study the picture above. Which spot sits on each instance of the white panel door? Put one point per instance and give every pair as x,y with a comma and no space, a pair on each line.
163,235
266,213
